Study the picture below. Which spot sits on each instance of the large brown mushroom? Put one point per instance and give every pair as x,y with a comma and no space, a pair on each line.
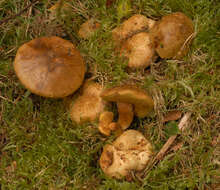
172,35
50,67
142,102
130,152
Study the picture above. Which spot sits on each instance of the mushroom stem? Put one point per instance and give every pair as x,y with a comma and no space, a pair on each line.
105,119
125,114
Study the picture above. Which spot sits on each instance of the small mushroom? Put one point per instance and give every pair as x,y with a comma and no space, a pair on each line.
133,25
129,152
105,119
50,67
62,6
88,107
88,28
139,50
142,102
125,114
172,35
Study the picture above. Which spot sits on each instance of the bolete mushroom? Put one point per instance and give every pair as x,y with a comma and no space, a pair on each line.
88,28
50,67
139,50
130,152
87,108
133,25
131,94
172,35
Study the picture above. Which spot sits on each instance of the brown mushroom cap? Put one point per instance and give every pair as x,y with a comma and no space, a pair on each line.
129,152
142,102
172,35
50,67
139,50
133,25
91,88
88,28
87,108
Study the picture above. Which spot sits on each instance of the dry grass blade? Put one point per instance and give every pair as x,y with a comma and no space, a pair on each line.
18,14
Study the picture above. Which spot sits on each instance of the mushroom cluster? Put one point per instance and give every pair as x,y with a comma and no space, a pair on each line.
140,38
53,67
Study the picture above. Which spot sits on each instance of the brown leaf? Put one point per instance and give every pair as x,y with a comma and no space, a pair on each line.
109,3
172,116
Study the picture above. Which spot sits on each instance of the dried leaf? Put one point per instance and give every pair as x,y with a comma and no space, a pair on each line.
172,116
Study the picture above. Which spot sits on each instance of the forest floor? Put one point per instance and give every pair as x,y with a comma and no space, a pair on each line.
41,148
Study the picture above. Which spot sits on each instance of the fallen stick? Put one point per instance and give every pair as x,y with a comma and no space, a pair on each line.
183,124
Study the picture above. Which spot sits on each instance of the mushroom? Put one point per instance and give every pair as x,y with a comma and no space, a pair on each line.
130,152
50,67
125,114
131,94
133,25
88,107
88,28
172,35
139,50
105,119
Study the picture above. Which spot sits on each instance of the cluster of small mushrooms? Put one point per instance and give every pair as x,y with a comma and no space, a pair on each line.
53,67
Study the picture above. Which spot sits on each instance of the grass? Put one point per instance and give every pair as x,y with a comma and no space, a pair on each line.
40,148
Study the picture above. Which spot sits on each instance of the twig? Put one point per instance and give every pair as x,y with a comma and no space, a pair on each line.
2,97
182,126
18,14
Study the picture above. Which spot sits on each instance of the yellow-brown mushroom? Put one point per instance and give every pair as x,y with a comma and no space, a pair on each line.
139,50
172,35
133,25
88,106
50,67
142,102
88,28
130,152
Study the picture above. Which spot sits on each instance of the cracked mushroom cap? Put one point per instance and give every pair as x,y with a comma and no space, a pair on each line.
133,25
129,152
172,35
50,67
143,103
139,50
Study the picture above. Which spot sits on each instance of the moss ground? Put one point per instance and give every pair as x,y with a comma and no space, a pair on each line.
40,148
